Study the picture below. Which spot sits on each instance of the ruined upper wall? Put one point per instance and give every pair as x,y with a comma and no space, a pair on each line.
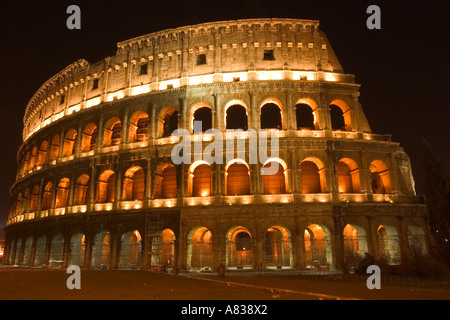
218,49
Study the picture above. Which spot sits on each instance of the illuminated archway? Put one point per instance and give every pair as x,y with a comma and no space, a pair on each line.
47,196
42,153
167,121
33,158
134,184
138,127
237,177
106,187
81,190
312,175
275,183
239,248
77,249
307,114
112,132
380,177
62,193
388,244
165,182
89,138
200,179
167,249
200,112
355,245
318,246
340,115
278,248
34,199
348,176
130,250
54,148
70,142
200,250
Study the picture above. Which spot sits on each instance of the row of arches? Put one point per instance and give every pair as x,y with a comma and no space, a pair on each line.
236,116
277,250
237,175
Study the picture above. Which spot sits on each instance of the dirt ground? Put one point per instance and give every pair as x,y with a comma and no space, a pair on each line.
50,284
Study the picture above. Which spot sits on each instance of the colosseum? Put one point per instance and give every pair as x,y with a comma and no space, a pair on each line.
96,185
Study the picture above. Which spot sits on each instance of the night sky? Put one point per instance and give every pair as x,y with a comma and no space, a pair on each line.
403,68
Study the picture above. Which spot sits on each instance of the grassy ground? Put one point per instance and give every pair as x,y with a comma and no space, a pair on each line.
43,284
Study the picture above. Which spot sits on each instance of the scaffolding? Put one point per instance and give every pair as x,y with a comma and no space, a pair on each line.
153,227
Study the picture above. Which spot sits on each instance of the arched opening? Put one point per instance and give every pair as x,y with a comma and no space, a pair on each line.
239,248
17,205
33,158
236,117
344,178
27,252
167,249
340,116
101,249
271,117
89,138
318,247
348,176
380,177
200,179
306,118
168,121
275,183
106,187
34,198
417,241
134,184
47,196
312,176
42,153
77,249
355,245
204,115
138,130
130,250
62,193
237,178
39,256
166,182
56,251
112,132
70,143
54,148
200,249
81,190
278,248
388,244
25,164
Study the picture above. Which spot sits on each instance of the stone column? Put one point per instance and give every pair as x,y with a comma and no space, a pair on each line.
79,140
100,134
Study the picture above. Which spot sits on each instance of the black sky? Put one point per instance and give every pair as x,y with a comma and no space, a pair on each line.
403,68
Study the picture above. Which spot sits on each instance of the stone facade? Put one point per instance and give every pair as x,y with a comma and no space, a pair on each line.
96,185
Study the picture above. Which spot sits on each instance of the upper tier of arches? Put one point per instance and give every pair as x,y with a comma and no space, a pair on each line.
139,126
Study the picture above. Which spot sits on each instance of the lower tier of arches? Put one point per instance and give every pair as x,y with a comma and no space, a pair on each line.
238,237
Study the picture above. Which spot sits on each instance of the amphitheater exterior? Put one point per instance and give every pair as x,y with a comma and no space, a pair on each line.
96,185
